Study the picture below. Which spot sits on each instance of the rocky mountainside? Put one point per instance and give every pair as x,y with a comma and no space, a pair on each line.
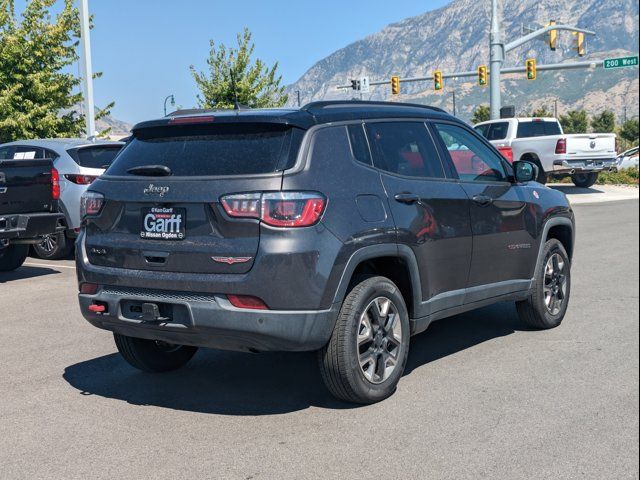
455,38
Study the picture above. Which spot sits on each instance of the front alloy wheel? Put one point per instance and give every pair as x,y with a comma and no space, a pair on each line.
555,284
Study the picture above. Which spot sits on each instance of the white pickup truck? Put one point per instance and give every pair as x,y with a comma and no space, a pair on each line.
541,141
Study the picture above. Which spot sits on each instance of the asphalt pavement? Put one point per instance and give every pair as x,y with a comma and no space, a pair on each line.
482,396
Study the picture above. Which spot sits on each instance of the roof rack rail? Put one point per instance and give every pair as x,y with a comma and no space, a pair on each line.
372,103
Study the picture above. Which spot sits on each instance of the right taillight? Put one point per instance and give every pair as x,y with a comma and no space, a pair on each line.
561,146
277,209
91,203
55,184
507,152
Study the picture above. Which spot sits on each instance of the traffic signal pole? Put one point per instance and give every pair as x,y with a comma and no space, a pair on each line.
87,69
496,52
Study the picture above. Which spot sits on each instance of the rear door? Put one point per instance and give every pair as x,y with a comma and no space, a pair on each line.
430,211
177,223
25,186
503,221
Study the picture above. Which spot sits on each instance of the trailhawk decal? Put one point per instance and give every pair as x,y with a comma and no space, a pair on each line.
163,223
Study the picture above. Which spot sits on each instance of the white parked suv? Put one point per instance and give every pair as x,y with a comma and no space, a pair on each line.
541,140
78,163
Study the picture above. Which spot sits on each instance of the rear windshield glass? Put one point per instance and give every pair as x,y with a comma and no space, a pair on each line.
537,129
493,131
95,157
211,150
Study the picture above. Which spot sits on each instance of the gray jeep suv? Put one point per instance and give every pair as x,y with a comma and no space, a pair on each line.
341,227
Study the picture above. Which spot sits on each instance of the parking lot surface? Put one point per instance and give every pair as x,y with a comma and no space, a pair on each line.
482,397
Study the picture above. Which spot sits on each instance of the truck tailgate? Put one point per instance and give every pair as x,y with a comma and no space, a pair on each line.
592,145
25,186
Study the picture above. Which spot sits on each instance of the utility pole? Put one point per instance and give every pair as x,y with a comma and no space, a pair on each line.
555,108
454,102
496,46
87,69
298,94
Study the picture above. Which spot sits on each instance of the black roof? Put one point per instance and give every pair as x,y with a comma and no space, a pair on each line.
314,113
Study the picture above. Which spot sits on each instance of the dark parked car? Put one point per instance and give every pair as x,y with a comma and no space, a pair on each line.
341,227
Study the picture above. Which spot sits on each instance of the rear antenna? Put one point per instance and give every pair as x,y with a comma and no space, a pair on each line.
236,105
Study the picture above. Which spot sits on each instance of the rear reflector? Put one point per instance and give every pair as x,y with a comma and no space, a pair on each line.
277,209
191,120
88,288
247,301
55,184
507,152
561,146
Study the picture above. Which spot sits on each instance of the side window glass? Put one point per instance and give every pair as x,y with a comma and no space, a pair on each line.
27,153
471,158
5,153
404,148
330,144
359,146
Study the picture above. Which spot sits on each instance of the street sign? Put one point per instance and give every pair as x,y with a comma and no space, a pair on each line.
620,62
364,85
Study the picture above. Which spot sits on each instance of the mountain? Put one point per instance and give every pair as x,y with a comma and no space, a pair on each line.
456,38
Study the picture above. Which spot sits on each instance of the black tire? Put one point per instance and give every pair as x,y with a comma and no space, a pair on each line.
151,356
12,257
585,180
339,360
535,311
54,247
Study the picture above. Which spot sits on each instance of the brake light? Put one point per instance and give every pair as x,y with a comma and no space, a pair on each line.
561,146
91,203
277,209
507,152
55,184
81,179
247,301
191,120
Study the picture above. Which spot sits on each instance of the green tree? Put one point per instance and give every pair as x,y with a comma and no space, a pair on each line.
541,112
629,131
482,113
604,122
575,121
256,85
38,97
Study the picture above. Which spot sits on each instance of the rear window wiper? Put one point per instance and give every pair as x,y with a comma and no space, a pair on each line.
151,171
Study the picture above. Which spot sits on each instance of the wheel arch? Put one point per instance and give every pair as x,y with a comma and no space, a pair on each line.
395,262
562,229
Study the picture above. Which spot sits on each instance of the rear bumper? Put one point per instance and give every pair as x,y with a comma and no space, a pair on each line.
208,320
29,226
580,166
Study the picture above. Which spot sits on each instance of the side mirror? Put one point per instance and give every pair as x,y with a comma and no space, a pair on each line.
525,171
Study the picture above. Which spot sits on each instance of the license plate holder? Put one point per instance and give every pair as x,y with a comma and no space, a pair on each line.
163,223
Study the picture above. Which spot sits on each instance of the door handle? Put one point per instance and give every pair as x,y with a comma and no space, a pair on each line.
483,200
407,198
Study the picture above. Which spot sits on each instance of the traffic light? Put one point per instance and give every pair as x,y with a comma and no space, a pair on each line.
395,85
531,69
355,84
580,46
482,76
553,37
437,80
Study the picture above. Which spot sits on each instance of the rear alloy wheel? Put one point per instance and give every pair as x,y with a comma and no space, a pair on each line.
54,246
366,355
549,298
584,180
153,356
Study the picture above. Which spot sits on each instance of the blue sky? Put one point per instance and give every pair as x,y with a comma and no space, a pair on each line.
145,47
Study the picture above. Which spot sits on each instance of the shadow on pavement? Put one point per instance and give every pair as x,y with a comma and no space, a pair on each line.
568,189
230,383
26,272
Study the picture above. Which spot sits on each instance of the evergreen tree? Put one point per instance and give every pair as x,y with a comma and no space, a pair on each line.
605,122
575,121
481,113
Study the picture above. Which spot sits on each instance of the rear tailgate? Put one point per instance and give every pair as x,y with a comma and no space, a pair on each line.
176,223
25,186
591,145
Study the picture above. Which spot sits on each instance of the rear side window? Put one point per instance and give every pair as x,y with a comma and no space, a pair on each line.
359,145
101,156
537,129
494,131
404,148
212,150
6,153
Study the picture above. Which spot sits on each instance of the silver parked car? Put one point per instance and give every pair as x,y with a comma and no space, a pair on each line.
78,163
628,159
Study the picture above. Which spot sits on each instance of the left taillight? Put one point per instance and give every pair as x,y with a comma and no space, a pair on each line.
91,203
55,184
277,209
507,152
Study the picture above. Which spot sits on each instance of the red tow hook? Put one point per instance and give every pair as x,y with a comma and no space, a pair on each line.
97,308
